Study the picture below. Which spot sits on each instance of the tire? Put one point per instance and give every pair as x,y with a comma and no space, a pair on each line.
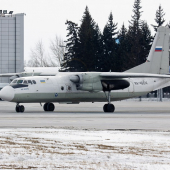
45,107
105,108
110,108
17,109
50,107
21,108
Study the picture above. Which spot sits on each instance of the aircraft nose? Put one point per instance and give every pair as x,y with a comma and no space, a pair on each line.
7,93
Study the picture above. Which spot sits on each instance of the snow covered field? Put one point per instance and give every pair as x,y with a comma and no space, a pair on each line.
46,148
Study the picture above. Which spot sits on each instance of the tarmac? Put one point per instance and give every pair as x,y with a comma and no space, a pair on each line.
128,115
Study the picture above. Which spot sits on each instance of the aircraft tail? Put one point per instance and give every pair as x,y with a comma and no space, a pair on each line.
158,59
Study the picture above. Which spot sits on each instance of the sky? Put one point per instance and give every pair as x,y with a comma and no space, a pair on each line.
45,19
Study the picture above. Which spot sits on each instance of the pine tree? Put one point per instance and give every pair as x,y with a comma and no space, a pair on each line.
99,49
159,18
168,24
109,46
87,38
146,42
123,49
135,35
69,62
137,14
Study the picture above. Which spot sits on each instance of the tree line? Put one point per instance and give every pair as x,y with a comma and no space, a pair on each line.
89,49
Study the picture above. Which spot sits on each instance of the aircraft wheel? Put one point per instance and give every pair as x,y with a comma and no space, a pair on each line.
105,108
17,108
110,108
50,107
21,108
45,107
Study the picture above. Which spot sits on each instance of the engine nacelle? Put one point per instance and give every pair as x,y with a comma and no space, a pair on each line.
87,82
119,84
92,82
75,79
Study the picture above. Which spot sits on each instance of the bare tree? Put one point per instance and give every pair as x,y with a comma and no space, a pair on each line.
57,47
39,58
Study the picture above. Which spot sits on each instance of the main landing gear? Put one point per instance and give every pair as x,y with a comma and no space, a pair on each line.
108,107
19,108
49,107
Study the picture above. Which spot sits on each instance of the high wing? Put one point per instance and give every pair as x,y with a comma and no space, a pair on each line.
103,75
9,74
26,74
33,71
113,75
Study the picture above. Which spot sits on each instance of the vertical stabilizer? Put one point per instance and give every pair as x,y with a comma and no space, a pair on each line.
158,59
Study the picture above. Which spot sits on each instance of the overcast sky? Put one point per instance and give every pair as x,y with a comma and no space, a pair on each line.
46,18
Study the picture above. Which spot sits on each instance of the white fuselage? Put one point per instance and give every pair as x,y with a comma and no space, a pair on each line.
60,89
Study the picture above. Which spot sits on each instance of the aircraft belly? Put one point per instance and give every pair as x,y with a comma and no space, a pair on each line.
72,97
37,98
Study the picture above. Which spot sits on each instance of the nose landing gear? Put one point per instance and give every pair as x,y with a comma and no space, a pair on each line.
19,108
108,107
49,107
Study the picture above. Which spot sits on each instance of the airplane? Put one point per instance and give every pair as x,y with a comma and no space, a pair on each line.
76,87
28,71
42,69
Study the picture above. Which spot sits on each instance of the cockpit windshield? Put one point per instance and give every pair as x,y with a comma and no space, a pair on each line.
14,82
19,81
29,81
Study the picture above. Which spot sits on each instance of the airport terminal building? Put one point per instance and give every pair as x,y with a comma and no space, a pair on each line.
11,43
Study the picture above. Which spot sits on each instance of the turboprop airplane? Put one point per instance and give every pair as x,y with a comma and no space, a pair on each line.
28,71
42,69
72,87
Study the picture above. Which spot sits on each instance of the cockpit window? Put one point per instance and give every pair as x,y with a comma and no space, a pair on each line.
14,81
25,82
34,81
29,81
19,81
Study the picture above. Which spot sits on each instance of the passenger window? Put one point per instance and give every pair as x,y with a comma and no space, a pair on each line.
29,81
25,82
34,81
62,88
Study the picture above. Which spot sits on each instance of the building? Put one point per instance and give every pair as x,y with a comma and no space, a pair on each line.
11,43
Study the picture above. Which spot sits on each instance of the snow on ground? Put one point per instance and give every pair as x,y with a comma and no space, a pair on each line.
43,148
